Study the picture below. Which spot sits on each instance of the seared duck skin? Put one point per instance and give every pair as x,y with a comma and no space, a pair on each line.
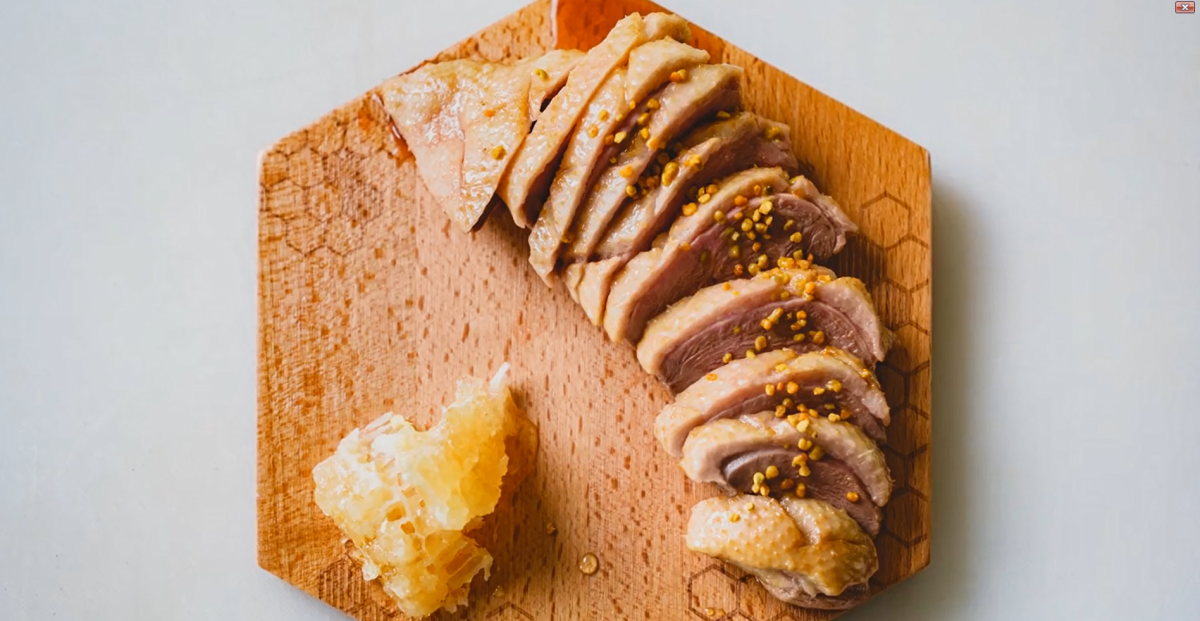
803,551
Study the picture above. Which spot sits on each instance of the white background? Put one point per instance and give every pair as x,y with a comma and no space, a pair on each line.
1065,139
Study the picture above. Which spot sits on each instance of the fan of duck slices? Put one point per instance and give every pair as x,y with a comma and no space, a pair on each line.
679,224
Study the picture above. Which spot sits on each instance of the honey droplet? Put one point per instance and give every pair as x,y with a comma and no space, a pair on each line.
589,564
551,528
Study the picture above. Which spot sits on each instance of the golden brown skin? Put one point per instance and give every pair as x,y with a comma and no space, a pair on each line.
803,551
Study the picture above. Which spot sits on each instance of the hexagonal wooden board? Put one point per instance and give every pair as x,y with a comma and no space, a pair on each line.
371,302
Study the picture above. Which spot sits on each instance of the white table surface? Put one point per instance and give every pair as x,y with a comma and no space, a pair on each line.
1066,149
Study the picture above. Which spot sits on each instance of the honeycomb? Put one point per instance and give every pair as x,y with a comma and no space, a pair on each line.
409,499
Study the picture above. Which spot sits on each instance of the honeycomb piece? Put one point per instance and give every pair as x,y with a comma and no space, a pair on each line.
408,499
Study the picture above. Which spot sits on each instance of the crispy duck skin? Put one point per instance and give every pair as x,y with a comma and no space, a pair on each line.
464,119
803,551
554,67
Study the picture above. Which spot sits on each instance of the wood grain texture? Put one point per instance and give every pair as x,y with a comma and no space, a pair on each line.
371,302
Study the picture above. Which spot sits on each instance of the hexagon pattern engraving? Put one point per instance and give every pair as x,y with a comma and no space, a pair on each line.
342,586
326,194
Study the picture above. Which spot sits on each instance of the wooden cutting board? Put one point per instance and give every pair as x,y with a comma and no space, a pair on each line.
372,302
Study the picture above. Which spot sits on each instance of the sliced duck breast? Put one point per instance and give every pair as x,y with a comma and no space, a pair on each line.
730,233
597,277
815,220
689,98
804,551
827,480
709,152
758,231
524,186
653,279
829,382
592,144
588,284
773,453
549,73
805,308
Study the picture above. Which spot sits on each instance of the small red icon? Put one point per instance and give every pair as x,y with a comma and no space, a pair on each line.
1185,7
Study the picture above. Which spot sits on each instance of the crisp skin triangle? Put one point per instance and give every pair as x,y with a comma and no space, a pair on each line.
465,119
